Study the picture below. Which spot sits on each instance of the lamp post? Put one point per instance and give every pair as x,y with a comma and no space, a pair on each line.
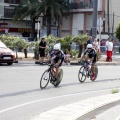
94,19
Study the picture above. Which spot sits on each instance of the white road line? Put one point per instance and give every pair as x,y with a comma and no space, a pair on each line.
28,103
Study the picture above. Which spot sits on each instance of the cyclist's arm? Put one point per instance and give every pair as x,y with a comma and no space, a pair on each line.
83,55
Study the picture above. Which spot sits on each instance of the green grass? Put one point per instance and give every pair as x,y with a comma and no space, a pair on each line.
113,91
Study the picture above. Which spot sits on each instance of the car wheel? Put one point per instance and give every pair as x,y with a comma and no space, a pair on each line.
9,63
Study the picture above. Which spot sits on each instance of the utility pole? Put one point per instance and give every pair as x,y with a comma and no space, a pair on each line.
113,25
108,17
94,19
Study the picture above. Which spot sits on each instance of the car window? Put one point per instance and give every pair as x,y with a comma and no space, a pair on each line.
2,45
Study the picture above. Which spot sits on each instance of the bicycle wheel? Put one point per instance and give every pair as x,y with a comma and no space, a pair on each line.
82,74
60,76
44,79
96,73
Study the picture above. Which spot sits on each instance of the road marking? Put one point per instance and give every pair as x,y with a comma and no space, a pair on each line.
28,103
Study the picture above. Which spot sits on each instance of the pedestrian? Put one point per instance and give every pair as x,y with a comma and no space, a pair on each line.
109,49
95,44
67,57
89,41
98,40
42,47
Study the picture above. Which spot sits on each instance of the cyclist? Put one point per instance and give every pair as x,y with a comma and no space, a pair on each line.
56,58
90,54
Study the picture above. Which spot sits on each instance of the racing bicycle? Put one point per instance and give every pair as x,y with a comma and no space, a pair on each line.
49,76
86,72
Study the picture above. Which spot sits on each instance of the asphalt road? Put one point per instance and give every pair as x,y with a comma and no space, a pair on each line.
21,97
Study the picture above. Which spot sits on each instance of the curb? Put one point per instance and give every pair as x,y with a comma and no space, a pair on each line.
83,110
98,63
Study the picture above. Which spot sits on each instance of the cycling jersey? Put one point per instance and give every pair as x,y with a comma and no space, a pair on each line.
91,54
57,56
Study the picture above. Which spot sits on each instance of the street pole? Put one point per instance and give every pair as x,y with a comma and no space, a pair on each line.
113,25
94,19
108,17
38,31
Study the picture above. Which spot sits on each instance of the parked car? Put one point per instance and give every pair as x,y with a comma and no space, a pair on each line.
6,54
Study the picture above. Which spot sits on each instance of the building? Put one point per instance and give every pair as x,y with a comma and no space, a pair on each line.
7,24
80,19
114,15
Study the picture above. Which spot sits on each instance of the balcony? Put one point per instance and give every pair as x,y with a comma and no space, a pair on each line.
83,5
78,4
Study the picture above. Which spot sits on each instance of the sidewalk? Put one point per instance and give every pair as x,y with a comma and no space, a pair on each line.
85,110
102,61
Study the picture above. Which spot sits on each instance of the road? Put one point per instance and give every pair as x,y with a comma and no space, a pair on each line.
22,99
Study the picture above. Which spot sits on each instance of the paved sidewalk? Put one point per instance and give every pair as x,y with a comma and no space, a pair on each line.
116,59
84,110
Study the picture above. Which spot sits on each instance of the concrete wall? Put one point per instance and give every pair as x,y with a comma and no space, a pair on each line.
1,9
114,7
11,24
65,27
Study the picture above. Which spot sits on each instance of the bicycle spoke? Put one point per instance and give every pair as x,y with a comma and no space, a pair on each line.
82,74
44,80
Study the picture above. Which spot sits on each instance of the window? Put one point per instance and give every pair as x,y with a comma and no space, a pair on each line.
12,1
8,12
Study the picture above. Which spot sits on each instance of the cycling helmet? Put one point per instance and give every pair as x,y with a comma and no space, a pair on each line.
89,46
57,47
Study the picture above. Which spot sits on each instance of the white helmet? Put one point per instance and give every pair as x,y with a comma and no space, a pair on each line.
57,47
89,46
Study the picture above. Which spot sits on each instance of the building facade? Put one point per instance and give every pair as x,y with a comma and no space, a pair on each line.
7,25
79,20
114,15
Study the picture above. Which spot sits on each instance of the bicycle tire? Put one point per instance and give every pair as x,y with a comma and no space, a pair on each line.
82,69
60,76
96,73
42,78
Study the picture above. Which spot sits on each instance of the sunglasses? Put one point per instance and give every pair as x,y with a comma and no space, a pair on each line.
55,50
89,48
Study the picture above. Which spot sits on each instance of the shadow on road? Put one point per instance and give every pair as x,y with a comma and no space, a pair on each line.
50,87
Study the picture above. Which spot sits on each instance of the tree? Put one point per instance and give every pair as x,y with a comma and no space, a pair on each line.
27,8
81,40
53,9
117,32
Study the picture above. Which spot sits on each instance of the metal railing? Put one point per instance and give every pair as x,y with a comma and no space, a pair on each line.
81,5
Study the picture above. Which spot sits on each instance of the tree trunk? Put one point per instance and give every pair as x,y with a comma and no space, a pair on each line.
48,24
33,28
80,51
25,52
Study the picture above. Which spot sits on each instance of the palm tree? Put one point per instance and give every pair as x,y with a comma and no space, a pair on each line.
27,8
53,9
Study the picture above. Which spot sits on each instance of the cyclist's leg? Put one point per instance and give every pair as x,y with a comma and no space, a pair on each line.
93,67
57,70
